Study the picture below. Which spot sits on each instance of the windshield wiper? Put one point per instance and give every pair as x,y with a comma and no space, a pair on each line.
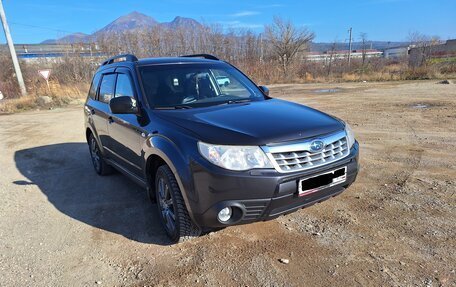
238,101
229,102
174,108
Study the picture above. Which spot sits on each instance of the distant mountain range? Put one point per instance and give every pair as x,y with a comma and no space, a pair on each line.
136,20
132,21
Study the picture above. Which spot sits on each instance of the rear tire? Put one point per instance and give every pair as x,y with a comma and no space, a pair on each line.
171,207
99,164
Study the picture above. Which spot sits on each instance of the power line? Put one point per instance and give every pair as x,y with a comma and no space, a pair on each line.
42,27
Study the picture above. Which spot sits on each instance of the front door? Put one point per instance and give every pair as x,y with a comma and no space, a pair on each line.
124,129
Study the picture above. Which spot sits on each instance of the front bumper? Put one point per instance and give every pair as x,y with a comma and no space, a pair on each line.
260,195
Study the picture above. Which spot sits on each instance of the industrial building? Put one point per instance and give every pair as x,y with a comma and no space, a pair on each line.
419,54
396,52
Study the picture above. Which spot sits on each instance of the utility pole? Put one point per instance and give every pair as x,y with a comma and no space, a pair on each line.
349,47
17,68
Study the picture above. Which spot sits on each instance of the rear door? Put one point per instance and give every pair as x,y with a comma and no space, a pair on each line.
91,102
99,108
124,129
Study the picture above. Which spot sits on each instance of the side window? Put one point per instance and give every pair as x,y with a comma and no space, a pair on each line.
123,86
94,86
107,88
229,85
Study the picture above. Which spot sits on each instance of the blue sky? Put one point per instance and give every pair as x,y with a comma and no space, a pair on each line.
33,21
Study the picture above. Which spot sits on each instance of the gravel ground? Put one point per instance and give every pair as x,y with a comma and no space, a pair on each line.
62,225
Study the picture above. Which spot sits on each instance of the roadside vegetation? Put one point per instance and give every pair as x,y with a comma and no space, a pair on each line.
275,56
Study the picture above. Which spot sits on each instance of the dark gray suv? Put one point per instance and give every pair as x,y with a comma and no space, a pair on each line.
213,153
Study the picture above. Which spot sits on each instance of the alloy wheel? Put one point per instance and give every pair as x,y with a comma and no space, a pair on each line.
166,204
95,154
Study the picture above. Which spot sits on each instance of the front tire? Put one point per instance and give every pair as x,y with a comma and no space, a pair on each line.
171,207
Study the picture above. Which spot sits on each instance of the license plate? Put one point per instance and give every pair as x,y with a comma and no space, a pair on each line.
315,183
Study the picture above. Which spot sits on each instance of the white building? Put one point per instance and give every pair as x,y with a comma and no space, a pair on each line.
355,54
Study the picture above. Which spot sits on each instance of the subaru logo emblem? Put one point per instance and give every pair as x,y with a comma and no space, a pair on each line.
317,145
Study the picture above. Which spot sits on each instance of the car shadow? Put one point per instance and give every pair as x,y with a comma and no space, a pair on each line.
64,173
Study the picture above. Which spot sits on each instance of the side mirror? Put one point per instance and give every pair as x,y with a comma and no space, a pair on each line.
123,105
265,90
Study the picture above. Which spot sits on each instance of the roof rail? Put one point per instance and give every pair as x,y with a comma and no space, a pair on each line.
120,58
205,56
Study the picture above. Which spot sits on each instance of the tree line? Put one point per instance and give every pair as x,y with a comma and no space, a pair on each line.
273,56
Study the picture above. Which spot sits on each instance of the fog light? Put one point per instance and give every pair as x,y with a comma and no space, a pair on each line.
225,214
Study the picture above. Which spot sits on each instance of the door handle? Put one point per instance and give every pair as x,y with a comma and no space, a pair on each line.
110,120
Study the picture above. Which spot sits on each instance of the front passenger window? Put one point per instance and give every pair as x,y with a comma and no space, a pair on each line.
107,88
123,86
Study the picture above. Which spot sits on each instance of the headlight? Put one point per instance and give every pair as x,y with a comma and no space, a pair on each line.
235,157
350,135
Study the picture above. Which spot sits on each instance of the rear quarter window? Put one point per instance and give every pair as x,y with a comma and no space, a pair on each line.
94,86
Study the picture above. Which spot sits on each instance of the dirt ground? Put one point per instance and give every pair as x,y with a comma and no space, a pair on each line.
62,225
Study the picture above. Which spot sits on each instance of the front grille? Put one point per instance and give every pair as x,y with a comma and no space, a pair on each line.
296,159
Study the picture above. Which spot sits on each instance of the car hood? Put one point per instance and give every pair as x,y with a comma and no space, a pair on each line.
253,123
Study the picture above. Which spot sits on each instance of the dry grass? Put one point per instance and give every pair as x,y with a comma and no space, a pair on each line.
18,104
61,95
69,81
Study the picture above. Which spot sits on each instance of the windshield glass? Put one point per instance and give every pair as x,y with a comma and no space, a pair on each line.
196,85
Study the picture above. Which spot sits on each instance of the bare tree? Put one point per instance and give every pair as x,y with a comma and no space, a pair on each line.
332,52
363,37
422,45
287,40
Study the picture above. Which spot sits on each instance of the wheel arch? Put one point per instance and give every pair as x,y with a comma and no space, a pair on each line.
91,131
153,162
88,133
163,151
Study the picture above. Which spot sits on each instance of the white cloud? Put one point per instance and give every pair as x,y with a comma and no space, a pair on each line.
272,6
239,25
245,13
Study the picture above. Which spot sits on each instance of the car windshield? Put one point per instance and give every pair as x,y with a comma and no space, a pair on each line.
196,85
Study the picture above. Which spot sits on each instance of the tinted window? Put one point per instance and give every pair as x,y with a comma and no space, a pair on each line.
107,88
196,85
94,86
123,86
